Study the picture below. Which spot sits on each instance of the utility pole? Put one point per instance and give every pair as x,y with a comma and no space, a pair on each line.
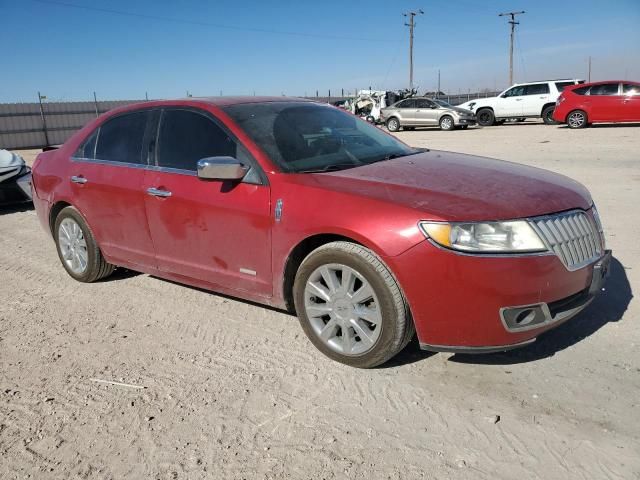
589,77
513,28
411,26
438,92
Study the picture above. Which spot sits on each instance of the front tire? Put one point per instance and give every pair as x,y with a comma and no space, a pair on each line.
547,115
77,248
577,119
350,305
485,117
446,123
393,124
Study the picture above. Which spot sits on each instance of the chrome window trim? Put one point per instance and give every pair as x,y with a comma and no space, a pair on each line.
139,166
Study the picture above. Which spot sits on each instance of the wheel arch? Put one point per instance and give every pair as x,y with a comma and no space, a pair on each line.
55,210
546,105
298,253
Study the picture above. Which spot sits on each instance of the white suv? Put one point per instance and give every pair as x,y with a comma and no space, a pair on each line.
522,100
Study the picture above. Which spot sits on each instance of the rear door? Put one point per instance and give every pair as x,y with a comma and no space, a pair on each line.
107,174
407,111
536,95
630,110
509,104
215,231
604,102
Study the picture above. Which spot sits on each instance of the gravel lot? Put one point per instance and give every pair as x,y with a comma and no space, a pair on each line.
235,390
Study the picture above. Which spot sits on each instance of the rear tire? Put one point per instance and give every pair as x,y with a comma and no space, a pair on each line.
393,124
362,322
547,115
485,117
446,123
77,248
577,119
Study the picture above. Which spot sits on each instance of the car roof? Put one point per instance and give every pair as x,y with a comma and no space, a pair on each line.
607,81
547,81
219,102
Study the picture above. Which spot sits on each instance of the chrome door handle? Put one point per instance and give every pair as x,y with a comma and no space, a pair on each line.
158,193
78,179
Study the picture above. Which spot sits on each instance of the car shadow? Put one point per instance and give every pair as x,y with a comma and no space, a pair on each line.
607,125
607,307
16,208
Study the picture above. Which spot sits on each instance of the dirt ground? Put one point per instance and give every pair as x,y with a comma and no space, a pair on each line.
235,390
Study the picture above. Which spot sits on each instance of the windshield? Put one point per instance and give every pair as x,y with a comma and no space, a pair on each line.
442,103
310,137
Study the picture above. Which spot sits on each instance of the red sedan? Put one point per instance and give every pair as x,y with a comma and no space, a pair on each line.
300,205
613,101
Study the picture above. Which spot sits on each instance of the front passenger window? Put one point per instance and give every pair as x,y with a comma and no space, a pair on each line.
186,137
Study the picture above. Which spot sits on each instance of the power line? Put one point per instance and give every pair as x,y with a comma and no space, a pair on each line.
209,24
513,28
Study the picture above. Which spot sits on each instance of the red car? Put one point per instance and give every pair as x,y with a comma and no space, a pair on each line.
300,205
613,101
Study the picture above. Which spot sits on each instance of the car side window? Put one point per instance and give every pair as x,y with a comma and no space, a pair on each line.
186,137
562,85
630,89
604,89
120,138
581,90
515,91
423,103
88,148
537,89
407,104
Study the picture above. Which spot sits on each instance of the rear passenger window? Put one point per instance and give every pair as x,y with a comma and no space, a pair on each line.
630,89
407,104
88,147
120,139
562,85
604,89
186,137
537,89
580,90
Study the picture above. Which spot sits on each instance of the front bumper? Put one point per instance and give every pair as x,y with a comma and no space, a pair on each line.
464,121
16,189
483,304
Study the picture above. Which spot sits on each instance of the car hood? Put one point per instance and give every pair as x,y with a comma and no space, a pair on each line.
458,187
459,110
10,165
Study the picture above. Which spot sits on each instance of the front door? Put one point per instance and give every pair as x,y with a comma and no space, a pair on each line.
427,112
106,176
215,231
630,110
509,104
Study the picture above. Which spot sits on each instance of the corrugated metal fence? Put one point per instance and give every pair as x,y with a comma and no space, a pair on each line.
35,125
31,125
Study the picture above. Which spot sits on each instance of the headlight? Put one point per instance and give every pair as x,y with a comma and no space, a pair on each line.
485,237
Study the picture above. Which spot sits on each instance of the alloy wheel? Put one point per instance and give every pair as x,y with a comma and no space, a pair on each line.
446,123
576,120
343,309
73,246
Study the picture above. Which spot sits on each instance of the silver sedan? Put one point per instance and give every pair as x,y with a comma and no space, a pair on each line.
425,112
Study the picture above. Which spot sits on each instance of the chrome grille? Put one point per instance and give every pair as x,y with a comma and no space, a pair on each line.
572,236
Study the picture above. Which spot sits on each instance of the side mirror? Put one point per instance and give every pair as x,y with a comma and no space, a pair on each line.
434,106
221,168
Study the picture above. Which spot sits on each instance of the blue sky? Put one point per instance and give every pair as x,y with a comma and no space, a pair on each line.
295,47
